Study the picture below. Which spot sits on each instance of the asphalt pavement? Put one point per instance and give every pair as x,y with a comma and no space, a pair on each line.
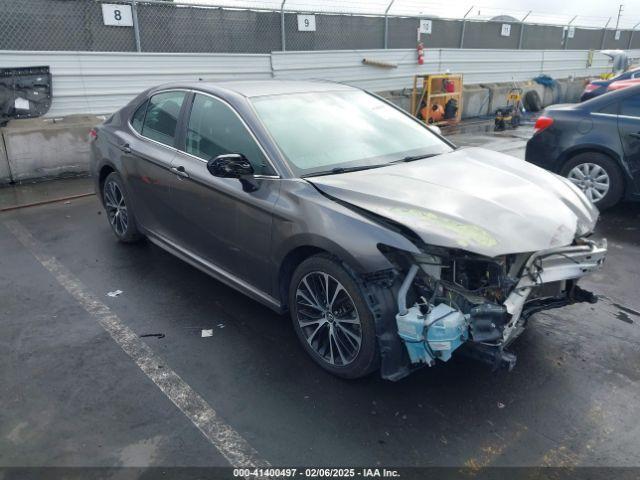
127,379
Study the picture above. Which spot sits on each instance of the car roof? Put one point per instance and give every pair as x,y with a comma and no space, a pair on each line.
257,88
605,99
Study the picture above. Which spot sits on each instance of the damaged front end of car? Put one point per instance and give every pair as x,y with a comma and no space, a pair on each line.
453,300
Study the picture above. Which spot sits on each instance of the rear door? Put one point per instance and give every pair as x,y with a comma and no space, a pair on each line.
629,128
215,217
149,155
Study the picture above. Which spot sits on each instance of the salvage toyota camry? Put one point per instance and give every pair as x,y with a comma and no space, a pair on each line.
390,248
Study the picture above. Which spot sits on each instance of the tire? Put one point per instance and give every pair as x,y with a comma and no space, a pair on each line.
532,101
119,211
324,337
596,166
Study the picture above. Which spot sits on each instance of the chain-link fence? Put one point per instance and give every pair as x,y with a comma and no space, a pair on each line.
251,27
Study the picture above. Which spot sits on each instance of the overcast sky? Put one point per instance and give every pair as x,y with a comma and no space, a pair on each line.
591,12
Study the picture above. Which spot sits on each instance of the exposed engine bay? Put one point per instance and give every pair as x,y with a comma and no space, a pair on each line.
452,299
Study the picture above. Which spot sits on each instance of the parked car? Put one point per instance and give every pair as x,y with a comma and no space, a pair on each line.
389,247
620,84
598,87
595,144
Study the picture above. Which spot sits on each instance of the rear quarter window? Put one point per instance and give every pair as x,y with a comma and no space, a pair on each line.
611,108
138,117
630,106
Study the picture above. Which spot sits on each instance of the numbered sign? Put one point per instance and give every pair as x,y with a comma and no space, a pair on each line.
506,30
306,23
117,15
571,32
425,27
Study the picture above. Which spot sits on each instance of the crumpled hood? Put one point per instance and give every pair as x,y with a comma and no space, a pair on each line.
474,199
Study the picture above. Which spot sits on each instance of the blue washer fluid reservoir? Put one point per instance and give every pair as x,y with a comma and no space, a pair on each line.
447,329
411,329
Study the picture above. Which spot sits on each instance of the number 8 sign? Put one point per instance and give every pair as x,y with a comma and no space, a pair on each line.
117,15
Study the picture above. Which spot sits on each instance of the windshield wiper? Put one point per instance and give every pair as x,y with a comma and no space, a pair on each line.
411,158
337,170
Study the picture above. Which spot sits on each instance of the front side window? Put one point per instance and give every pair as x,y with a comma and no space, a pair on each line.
161,119
321,131
215,129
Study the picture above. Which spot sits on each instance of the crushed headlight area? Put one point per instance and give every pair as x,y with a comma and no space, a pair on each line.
454,300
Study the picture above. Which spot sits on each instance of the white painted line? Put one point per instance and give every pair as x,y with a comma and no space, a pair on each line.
228,442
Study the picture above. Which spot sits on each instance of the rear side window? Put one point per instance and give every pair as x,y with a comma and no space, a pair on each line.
138,117
162,115
215,129
630,106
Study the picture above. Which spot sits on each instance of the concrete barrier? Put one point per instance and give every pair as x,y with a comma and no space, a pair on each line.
476,100
571,89
40,148
499,93
5,173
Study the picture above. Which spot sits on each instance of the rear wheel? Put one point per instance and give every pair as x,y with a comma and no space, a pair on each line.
598,176
331,318
118,208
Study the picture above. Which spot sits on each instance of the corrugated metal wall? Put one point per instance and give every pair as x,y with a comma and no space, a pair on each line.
103,82
477,66
99,83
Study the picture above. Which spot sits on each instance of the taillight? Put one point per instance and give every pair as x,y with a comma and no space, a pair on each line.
93,133
542,123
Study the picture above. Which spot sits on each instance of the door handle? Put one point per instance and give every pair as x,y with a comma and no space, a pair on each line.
125,148
180,171
635,135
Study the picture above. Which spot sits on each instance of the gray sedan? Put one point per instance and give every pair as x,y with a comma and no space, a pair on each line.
390,248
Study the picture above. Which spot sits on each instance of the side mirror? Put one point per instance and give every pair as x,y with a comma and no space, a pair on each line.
231,165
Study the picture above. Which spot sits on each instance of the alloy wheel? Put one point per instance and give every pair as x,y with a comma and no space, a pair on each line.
592,179
328,318
116,208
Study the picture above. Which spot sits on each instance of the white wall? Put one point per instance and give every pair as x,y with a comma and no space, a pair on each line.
98,83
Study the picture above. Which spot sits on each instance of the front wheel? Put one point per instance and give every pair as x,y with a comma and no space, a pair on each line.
598,176
332,319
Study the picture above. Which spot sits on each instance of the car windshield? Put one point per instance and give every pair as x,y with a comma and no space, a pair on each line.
325,132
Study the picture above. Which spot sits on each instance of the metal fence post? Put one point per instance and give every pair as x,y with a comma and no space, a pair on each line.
522,29
464,24
566,33
386,24
283,37
631,35
604,33
136,28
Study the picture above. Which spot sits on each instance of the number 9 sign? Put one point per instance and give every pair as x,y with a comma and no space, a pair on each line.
306,23
115,15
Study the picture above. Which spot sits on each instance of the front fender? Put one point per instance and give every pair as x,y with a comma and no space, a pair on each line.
303,217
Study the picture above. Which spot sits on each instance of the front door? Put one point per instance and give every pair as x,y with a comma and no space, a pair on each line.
215,217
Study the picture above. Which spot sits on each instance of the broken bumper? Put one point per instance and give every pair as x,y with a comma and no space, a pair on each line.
557,265
547,279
